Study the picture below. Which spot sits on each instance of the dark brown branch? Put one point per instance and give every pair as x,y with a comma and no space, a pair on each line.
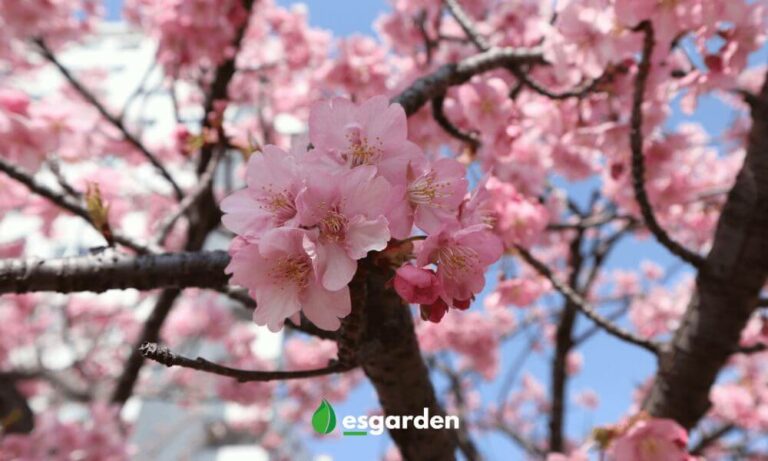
111,270
64,202
466,445
563,345
433,85
710,438
579,92
439,115
113,120
385,346
163,355
638,159
753,349
220,87
470,29
726,293
150,332
584,307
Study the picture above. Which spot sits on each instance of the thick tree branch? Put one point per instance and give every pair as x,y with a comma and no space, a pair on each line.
584,307
113,120
162,354
726,293
437,83
111,270
638,158
385,345
65,202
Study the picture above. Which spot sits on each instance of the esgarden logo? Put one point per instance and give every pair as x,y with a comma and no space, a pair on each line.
324,421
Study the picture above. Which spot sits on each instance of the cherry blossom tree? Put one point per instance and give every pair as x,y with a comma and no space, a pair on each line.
402,207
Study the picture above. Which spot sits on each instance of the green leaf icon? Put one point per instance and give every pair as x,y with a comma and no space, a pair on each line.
324,419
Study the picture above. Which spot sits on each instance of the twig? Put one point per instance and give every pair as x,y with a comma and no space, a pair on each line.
638,161
439,115
114,121
219,88
577,92
150,332
467,446
584,307
55,168
470,29
710,438
526,445
467,25
163,355
65,203
204,184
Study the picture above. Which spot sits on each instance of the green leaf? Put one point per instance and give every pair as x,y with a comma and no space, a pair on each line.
324,419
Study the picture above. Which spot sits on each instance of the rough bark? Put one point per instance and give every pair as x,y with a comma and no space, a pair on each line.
110,270
727,288
389,354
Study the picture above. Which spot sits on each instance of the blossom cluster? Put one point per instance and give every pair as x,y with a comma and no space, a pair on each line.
307,217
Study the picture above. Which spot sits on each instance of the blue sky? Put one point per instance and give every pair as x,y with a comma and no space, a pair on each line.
611,368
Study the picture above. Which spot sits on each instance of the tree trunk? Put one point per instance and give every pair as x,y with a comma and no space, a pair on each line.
382,329
726,290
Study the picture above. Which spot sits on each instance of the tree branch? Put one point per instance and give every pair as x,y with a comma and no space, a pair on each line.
433,85
66,203
220,87
710,438
163,355
584,307
450,128
563,345
203,186
114,121
467,25
111,270
638,159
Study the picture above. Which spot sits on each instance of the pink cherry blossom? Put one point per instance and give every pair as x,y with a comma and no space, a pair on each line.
461,255
432,198
651,440
486,104
417,285
345,213
372,133
274,179
280,275
361,68
519,292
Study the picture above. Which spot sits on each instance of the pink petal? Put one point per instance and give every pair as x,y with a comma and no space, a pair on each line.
275,303
337,268
366,235
324,308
